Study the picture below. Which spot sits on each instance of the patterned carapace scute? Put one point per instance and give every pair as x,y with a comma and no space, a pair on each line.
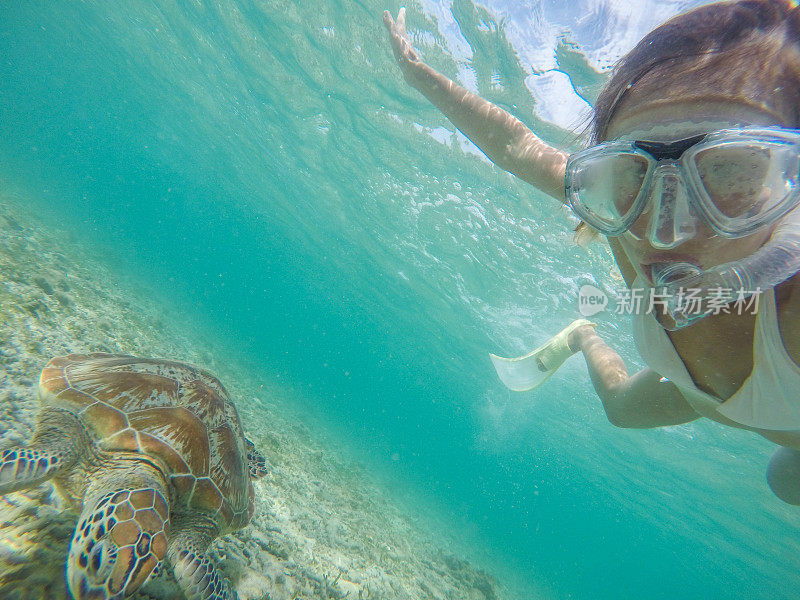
174,413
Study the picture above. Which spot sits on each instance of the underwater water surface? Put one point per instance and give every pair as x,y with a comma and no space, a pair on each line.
265,168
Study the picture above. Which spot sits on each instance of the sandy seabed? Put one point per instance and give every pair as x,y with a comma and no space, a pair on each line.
321,528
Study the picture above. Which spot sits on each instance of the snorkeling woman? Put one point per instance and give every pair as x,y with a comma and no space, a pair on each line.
694,178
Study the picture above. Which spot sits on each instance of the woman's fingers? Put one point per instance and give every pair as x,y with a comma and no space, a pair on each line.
396,27
401,21
397,31
388,21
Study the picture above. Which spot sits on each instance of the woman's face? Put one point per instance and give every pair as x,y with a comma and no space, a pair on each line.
667,122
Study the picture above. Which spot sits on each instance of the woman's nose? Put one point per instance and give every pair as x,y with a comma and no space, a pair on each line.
668,220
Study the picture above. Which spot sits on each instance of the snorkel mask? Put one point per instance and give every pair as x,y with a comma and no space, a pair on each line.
736,181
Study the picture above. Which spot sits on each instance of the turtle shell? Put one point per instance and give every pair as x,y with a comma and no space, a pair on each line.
177,414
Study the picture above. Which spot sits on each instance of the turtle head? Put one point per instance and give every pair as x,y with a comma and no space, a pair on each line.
117,544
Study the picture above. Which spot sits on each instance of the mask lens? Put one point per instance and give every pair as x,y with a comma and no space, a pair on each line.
747,181
606,187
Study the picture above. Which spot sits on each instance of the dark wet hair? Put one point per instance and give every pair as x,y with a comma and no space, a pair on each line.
705,45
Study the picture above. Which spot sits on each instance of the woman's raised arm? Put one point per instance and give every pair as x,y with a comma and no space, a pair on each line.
502,137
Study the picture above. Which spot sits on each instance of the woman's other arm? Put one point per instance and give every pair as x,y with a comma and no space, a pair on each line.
640,401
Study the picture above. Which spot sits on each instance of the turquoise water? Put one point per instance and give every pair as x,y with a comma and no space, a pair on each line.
264,166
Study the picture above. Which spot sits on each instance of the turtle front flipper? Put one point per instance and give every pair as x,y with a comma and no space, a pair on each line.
22,467
256,463
193,568
55,447
121,534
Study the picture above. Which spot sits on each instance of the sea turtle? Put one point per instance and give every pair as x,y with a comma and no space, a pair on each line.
153,455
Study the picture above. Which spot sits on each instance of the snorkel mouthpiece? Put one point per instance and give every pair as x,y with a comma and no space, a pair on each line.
689,293
686,292
665,274
676,283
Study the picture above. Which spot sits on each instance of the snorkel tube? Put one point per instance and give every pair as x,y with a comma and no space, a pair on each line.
775,262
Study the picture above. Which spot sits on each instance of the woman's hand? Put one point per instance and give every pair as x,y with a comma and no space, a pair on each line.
405,55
